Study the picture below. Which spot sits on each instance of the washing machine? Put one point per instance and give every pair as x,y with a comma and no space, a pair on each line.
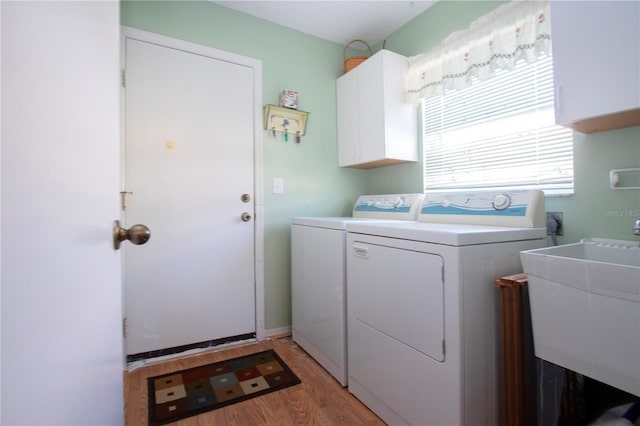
422,311
318,275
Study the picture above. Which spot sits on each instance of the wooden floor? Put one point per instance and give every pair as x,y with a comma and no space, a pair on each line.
318,400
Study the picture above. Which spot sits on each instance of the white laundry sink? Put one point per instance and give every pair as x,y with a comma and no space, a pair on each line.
585,308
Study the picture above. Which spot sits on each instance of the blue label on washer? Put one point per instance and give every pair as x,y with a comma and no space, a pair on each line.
379,208
456,210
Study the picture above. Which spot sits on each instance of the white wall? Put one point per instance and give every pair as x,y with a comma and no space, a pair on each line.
61,301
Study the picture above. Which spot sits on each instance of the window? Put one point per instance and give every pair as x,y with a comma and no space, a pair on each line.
498,133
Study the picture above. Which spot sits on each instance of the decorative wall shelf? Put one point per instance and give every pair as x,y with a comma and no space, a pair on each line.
285,120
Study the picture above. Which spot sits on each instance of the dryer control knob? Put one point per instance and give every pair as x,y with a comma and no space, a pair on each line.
501,202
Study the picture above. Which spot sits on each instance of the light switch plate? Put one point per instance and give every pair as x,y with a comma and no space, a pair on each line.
278,185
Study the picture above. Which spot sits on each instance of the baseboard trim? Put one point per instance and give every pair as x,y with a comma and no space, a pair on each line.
277,332
272,333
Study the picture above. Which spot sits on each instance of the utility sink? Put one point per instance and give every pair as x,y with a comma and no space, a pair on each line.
585,308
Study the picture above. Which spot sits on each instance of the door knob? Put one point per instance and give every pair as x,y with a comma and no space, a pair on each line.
246,217
137,234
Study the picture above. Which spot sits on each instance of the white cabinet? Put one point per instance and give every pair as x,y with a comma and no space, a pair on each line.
376,127
596,55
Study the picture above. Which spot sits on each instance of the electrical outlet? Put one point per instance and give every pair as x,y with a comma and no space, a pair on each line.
554,223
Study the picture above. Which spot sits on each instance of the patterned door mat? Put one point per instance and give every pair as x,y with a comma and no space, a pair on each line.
194,391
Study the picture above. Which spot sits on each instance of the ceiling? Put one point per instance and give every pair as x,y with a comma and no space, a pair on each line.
337,21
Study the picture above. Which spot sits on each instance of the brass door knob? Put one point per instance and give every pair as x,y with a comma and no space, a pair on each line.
137,234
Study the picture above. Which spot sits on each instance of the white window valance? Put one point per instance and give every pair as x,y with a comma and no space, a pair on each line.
514,31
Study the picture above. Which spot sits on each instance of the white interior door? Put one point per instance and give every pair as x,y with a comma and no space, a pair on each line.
188,160
61,360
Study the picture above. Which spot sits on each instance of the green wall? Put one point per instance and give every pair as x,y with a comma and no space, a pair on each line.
420,35
594,210
314,185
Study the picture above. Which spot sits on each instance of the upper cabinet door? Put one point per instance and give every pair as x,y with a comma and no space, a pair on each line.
347,110
596,55
375,126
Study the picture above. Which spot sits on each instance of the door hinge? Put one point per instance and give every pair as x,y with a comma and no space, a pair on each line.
124,327
123,199
124,78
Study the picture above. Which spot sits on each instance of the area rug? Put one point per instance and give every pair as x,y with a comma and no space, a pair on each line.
194,391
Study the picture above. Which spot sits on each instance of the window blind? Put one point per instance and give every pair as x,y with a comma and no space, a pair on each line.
498,133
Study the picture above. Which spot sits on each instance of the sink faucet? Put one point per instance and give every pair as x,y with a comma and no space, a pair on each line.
636,227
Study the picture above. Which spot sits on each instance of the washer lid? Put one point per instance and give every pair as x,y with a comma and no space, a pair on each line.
339,223
391,207
447,233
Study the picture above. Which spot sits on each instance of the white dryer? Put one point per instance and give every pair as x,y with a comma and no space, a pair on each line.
318,275
422,346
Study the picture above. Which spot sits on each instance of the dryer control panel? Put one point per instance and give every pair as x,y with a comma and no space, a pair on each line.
500,208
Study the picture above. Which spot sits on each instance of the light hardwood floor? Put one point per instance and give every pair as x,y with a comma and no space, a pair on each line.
318,400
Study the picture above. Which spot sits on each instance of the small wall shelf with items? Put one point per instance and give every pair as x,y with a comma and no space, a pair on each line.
286,118
286,121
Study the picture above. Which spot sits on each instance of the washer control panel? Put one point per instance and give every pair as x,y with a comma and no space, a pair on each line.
507,208
393,206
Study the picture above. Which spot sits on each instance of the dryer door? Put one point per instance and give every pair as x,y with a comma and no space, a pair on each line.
400,293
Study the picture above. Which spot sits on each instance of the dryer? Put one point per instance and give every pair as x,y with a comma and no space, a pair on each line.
318,275
422,346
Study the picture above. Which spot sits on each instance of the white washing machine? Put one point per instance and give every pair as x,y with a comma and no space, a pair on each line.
318,275
422,346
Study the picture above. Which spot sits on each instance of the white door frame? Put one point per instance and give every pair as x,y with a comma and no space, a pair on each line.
258,201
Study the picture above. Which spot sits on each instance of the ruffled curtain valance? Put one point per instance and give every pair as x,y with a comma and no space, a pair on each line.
516,30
